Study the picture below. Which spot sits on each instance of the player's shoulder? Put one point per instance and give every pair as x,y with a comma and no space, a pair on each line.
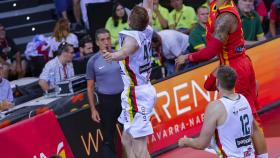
214,106
227,16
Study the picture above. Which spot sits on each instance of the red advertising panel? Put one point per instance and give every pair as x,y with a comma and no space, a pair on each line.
37,137
181,100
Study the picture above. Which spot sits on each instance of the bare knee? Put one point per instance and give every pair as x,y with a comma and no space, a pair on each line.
139,146
126,139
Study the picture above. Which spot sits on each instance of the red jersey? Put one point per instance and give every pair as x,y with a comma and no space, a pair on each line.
234,46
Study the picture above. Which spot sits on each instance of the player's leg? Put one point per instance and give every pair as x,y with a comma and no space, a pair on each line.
140,149
258,139
246,85
127,143
258,135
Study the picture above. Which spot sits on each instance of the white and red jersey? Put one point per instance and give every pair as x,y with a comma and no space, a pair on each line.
136,68
232,139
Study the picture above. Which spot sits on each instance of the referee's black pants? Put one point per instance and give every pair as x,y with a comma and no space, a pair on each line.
109,109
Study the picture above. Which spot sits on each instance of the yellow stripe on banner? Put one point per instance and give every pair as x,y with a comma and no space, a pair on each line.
127,74
129,101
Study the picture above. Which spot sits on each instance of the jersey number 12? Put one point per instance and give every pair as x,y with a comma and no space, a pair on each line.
245,124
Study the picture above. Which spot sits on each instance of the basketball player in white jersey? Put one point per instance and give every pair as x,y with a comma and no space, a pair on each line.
138,97
228,122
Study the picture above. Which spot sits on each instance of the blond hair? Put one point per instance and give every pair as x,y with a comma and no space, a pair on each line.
61,30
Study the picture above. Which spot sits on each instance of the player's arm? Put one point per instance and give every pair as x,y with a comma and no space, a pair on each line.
129,47
259,141
212,113
148,5
210,83
226,23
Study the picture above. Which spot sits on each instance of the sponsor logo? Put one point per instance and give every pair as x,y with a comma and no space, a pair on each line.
101,67
243,108
60,151
248,152
243,141
145,68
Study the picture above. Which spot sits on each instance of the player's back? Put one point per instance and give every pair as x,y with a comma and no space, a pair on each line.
233,138
137,67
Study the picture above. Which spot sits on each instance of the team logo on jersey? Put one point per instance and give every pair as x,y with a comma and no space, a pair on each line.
235,112
248,152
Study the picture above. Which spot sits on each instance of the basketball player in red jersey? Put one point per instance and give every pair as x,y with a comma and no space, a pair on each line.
225,38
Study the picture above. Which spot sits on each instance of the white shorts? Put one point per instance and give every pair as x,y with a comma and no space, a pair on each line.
137,107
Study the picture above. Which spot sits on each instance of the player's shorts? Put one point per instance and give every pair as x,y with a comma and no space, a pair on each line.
245,83
137,106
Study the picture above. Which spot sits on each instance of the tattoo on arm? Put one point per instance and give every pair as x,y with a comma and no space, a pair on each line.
224,25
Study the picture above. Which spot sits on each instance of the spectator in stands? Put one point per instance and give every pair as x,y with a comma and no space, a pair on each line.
77,11
251,23
62,34
61,7
10,56
6,93
117,22
171,44
160,16
181,17
64,6
85,48
198,33
274,21
83,4
260,8
37,47
58,69
105,79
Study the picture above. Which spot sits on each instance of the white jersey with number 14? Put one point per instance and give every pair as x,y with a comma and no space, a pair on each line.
136,68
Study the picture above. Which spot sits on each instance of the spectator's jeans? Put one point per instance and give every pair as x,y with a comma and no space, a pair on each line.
268,35
170,67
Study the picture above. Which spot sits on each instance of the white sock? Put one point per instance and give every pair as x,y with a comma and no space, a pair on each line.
265,155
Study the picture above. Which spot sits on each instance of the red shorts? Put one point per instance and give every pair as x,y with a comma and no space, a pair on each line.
246,82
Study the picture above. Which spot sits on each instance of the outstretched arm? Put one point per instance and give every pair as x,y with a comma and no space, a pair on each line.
213,112
225,24
129,47
148,5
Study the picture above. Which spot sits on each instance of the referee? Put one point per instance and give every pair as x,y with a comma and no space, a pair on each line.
104,78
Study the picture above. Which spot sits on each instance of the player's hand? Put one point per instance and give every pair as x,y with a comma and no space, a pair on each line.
180,60
183,142
107,55
5,105
95,115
